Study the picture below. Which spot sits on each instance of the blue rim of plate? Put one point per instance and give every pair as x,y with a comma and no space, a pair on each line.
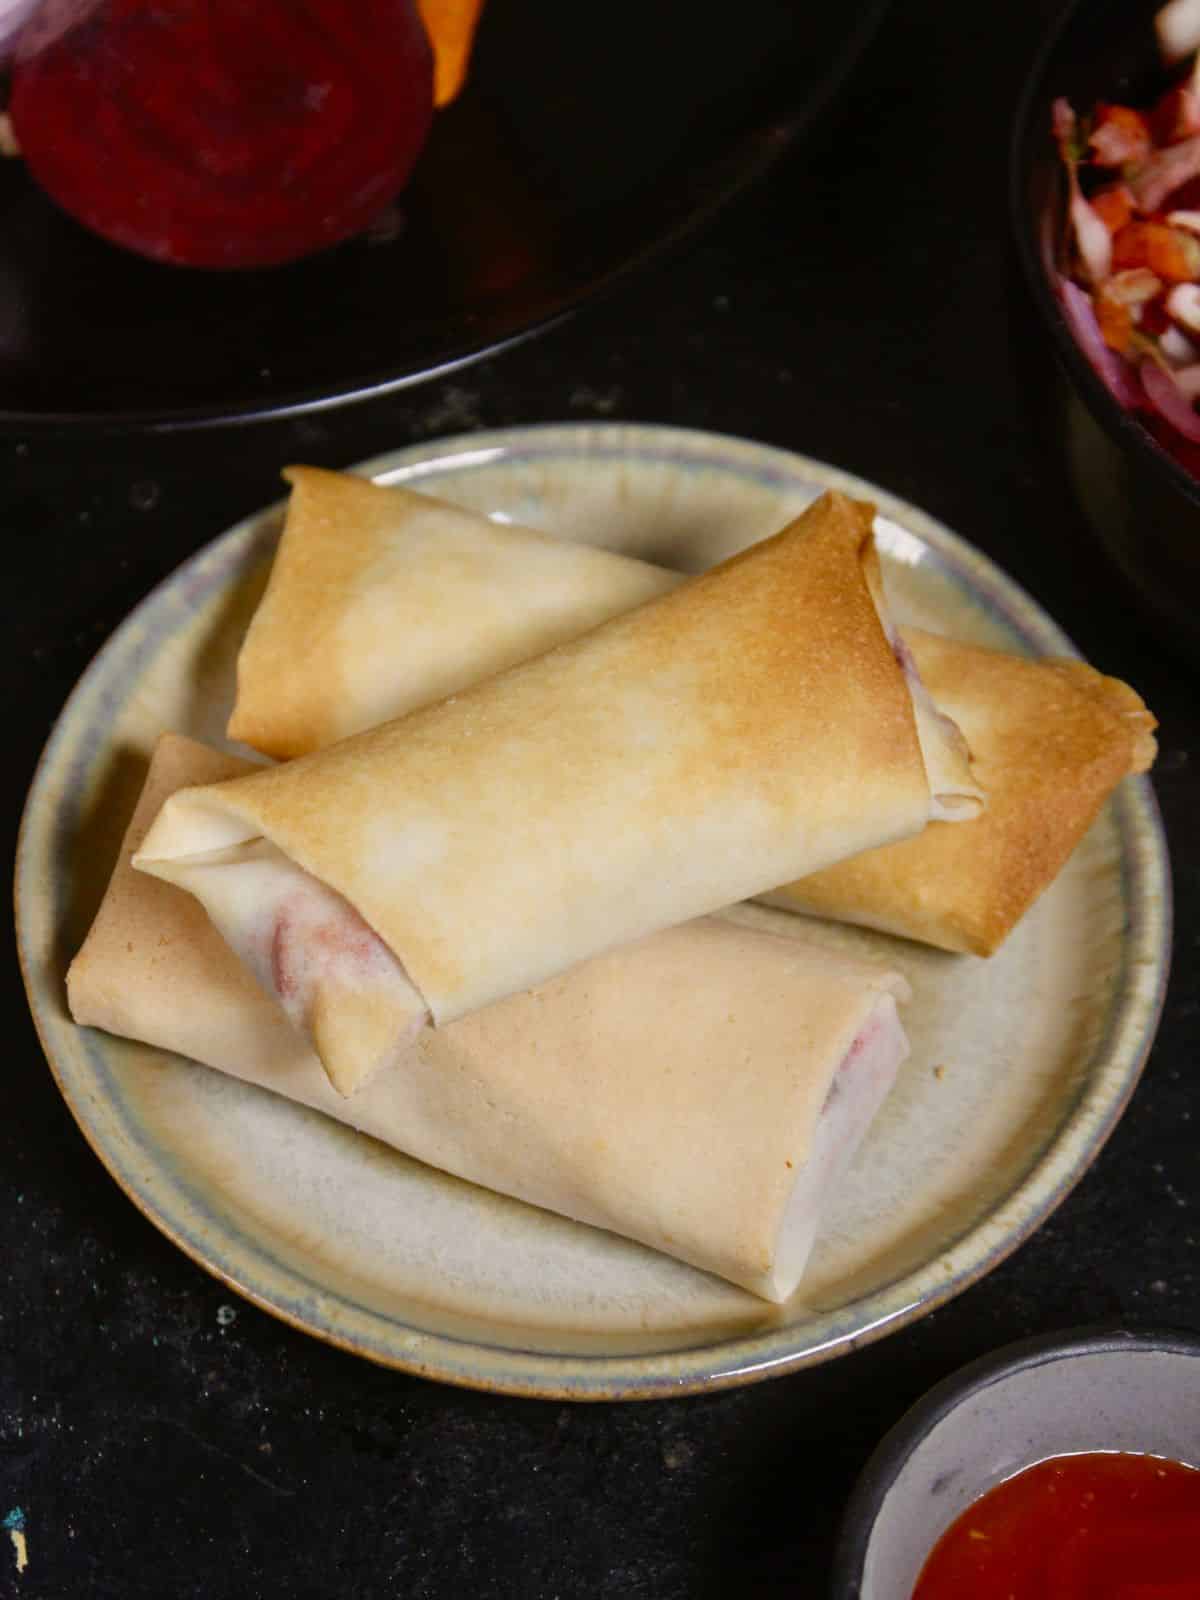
240,1262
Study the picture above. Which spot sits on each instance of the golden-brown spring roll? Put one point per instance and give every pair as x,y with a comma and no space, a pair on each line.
1049,741
746,728
381,600
701,1091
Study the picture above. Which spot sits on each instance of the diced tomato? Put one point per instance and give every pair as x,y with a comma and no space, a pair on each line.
1187,196
1164,174
1116,323
1121,303
1186,453
1154,319
1134,286
1119,136
1132,256
1169,252
1114,206
1185,1589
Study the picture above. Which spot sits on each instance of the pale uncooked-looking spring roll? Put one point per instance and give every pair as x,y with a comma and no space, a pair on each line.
701,1091
742,730
381,600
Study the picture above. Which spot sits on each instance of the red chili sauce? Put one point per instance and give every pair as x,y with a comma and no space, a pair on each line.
1086,1527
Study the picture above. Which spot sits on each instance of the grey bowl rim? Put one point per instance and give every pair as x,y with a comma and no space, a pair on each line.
897,1446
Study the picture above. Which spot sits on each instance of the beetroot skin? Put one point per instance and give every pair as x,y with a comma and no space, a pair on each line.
212,133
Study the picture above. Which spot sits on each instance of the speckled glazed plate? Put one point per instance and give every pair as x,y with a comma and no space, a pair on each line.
1020,1065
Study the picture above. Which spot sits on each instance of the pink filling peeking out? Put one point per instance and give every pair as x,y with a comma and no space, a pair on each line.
324,940
867,1035
859,1087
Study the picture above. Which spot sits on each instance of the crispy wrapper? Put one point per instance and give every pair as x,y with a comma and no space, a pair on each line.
1050,741
744,729
382,600
701,1091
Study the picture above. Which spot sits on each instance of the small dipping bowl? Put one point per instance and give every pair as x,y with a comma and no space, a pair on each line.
1060,1394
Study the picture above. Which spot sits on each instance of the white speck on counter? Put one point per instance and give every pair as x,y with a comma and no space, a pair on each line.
678,1453
454,407
226,1315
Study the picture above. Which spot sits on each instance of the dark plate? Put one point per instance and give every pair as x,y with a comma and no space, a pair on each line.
588,140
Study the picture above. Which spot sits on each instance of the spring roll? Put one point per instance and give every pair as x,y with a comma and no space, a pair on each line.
742,730
702,1091
381,600
1050,741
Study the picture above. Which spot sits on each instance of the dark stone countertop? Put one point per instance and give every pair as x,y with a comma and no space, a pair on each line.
862,307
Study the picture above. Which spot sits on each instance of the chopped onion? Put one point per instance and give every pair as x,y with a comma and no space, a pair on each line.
1092,237
1182,305
53,19
1169,400
1178,28
1189,221
1164,172
1119,377
1178,348
13,15
1132,287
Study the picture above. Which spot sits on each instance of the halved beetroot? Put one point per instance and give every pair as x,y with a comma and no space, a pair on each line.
216,133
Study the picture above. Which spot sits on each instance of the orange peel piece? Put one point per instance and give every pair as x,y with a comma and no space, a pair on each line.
451,27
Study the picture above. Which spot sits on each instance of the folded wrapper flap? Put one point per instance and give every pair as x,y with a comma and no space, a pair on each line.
702,1091
1050,741
752,725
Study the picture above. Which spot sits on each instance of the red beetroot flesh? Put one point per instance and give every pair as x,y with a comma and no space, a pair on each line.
213,133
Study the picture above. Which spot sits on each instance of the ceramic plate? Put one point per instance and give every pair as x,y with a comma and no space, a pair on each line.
1020,1065
587,141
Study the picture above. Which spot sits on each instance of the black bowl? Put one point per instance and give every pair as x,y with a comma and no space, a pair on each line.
1143,505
